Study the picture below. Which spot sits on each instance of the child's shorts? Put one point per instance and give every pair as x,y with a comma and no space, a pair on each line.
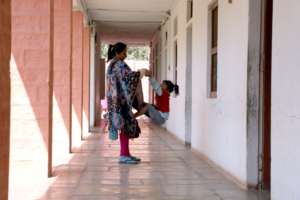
155,115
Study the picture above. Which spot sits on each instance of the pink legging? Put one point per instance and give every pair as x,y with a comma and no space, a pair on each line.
124,143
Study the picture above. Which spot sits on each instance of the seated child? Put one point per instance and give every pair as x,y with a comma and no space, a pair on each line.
159,113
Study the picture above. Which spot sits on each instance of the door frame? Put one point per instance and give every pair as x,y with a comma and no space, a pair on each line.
255,94
265,95
188,85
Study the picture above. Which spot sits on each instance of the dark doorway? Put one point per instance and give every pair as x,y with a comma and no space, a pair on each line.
267,28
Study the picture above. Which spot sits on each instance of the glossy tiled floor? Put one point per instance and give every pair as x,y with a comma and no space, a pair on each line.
168,172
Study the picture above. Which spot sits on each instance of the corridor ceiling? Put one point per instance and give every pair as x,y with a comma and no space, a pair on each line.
131,21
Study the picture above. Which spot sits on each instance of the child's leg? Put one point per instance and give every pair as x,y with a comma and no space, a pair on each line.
155,115
142,111
124,143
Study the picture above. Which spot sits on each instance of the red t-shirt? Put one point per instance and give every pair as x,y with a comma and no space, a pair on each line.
163,102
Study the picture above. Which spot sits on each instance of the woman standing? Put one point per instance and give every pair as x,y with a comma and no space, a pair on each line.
122,85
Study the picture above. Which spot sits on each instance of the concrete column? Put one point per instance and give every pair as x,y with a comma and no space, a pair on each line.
86,81
92,78
152,68
31,102
99,81
5,48
77,75
62,80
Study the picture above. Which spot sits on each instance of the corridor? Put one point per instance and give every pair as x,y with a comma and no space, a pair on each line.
168,171
235,62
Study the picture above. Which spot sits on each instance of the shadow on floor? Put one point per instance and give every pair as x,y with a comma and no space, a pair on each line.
169,171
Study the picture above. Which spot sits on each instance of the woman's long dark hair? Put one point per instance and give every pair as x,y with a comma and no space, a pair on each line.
114,49
172,87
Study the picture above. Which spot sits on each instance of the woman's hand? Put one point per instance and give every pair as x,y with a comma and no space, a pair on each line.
148,73
145,72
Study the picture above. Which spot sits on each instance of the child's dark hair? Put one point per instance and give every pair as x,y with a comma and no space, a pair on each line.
172,87
114,49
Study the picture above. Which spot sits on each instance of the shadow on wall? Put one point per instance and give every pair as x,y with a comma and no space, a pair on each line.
29,131
29,119
62,80
30,101
33,110
77,77
85,82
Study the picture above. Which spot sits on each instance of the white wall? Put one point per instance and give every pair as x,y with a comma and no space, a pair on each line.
165,50
285,101
218,125
176,122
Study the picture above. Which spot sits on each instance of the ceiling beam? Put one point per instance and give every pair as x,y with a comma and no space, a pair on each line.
129,22
166,13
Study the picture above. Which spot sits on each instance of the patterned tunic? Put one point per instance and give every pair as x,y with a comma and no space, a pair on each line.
122,83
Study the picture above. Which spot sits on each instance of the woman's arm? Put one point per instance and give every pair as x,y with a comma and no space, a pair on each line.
156,86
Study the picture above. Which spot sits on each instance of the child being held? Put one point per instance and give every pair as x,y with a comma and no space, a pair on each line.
159,113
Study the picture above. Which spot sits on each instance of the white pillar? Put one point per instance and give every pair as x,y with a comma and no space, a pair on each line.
92,78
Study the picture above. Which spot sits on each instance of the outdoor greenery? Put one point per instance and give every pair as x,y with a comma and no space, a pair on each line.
133,53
